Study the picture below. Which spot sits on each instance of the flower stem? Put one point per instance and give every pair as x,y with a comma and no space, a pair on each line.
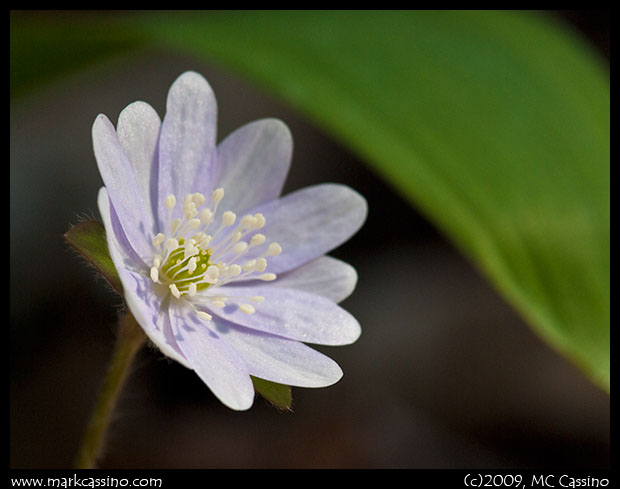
130,339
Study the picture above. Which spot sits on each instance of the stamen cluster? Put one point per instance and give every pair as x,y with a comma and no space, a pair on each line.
186,262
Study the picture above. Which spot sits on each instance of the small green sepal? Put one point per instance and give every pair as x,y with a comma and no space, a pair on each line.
278,395
89,240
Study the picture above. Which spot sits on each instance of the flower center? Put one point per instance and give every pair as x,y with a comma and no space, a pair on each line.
195,254
186,265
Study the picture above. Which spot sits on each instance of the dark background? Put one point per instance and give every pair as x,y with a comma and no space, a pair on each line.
446,374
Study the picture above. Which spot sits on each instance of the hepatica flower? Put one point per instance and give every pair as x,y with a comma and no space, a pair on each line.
224,275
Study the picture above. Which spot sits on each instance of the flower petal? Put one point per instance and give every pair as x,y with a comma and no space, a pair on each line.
219,366
325,276
119,247
292,314
187,140
278,359
138,133
151,313
119,178
252,164
147,307
309,223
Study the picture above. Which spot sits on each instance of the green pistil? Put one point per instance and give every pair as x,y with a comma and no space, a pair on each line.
183,279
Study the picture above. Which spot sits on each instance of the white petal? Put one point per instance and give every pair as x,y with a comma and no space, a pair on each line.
187,140
151,313
141,298
121,183
292,314
252,164
217,364
138,133
122,252
278,359
325,276
309,223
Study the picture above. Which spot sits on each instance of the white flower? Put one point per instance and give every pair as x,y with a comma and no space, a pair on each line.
223,275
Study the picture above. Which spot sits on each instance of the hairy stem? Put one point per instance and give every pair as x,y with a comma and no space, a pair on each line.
129,341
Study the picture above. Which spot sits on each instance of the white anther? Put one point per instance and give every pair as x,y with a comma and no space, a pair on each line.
190,210
212,273
204,315
236,236
198,199
157,261
154,274
194,223
248,265
228,218
261,265
158,239
192,289
234,270
206,215
205,242
274,249
248,222
247,308
260,220
174,290
240,247
170,201
218,195
257,239
190,249
191,266
257,298
171,244
190,252
267,277
218,304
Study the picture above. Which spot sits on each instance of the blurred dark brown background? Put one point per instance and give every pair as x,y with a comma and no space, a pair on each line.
445,374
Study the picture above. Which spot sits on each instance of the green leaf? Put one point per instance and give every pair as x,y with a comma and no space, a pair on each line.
278,395
45,47
89,240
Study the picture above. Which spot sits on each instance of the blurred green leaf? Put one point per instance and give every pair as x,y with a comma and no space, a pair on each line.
46,45
279,395
494,124
89,240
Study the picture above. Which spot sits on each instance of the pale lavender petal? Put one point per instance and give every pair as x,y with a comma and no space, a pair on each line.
219,366
148,308
138,133
325,276
309,223
292,314
151,312
121,183
118,243
187,139
252,164
278,359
